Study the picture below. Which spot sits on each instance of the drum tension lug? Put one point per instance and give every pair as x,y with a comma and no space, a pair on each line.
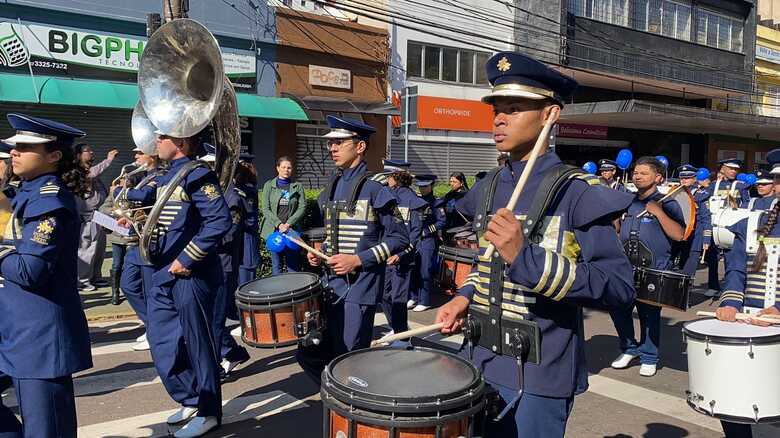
707,349
751,355
755,411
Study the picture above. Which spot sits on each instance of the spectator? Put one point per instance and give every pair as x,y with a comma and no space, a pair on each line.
283,206
93,238
458,188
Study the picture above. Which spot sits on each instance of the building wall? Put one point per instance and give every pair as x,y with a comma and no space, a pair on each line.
749,148
769,10
768,71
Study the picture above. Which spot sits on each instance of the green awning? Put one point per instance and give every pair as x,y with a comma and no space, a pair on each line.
252,105
103,94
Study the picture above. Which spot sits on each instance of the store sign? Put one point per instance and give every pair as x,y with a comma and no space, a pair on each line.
767,54
320,76
58,51
571,130
453,114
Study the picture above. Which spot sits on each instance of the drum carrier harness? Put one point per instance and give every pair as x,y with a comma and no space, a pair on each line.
494,331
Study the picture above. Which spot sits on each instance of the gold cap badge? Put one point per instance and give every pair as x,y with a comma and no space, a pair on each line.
504,64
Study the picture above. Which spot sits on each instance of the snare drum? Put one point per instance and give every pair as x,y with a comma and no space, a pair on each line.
456,264
662,288
281,310
732,370
463,237
393,393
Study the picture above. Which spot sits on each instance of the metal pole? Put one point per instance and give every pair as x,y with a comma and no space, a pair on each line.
406,125
173,9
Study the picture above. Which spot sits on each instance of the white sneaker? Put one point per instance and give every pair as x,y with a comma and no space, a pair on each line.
197,427
229,366
623,361
420,308
410,304
183,414
141,338
647,369
711,293
141,346
236,332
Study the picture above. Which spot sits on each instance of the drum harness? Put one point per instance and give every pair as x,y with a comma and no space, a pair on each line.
519,339
638,253
332,210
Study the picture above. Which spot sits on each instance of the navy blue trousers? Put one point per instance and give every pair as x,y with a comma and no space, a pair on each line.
711,257
245,275
422,280
533,416
132,282
395,295
228,347
47,407
690,262
180,335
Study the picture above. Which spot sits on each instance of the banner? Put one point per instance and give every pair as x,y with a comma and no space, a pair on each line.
59,51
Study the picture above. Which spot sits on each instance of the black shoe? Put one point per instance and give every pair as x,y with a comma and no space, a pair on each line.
100,282
115,287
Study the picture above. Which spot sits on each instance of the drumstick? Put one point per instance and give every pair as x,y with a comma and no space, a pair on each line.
308,248
424,330
676,189
771,319
535,152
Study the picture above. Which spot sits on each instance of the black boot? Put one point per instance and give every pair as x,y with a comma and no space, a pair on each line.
115,287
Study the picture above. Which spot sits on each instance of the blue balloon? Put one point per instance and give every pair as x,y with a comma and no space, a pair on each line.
624,158
663,160
750,179
275,242
290,244
589,167
741,177
702,174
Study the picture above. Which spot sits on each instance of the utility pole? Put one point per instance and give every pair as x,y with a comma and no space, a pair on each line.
173,9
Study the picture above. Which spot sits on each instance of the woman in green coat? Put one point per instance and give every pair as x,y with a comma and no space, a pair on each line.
283,206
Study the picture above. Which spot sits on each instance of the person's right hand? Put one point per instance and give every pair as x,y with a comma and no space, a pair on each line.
726,313
123,222
313,259
452,313
283,228
113,153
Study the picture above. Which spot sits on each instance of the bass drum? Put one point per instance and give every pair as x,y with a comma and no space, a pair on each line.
724,218
394,393
732,370
456,265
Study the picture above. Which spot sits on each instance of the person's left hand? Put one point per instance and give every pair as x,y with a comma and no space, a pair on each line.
283,228
394,259
178,269
344,263
505,232
113,153
771,310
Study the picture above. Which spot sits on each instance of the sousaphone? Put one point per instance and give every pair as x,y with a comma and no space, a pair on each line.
183,91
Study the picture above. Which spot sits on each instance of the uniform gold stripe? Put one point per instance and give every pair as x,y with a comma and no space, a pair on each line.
557,278
572,267
545,273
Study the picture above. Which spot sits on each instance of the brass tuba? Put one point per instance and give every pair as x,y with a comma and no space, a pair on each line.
183,90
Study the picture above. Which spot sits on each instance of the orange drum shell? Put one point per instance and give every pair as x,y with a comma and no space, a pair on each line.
264,326
339,423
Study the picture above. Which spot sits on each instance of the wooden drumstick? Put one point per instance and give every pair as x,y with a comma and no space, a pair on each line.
771,319
308,248
535,152
424,330
666,196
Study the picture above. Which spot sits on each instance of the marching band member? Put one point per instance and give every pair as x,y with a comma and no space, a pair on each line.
44,337
187,276
702,234
433,222
750,283
655,232
398,275
606,173
365,229
246,181
765,188
541,281
726,192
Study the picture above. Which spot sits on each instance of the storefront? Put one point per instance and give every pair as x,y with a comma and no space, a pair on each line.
329,67
87,78
450,135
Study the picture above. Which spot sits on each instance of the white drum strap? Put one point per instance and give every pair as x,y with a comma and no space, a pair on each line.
774,202
751,203
772,256
751,241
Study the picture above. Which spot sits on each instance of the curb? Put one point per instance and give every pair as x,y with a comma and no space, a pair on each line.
111,317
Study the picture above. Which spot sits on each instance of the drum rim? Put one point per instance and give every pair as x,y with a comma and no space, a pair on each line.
664,272
319,237
379,403
283,296
391,419
728,340
466,253
734,418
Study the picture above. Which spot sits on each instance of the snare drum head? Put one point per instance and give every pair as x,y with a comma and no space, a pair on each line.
282,286
731,332
403,375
